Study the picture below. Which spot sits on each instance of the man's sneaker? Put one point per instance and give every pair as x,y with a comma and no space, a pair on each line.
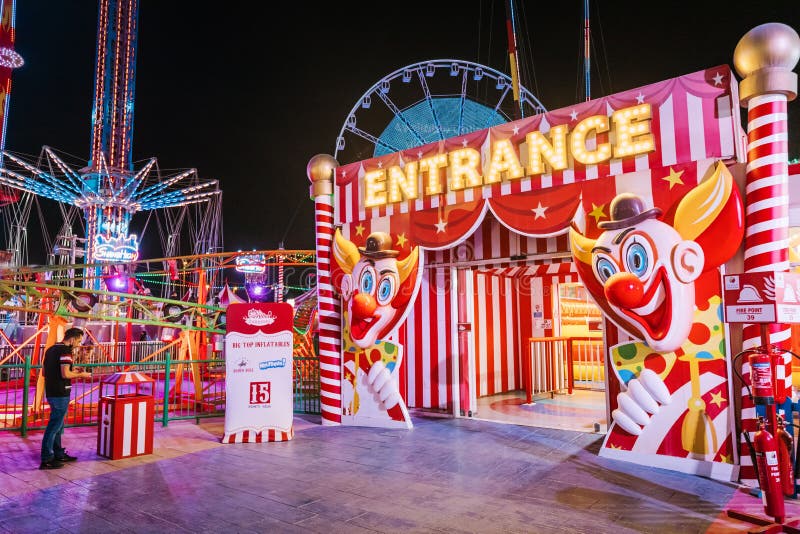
51,464
66,457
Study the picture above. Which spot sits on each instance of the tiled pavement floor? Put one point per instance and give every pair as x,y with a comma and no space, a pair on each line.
579,411
445,475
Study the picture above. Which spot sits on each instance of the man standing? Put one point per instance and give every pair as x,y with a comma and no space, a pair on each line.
58,375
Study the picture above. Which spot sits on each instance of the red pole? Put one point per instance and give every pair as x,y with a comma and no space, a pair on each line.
463,344
320,171
765,58
587,51
570,359
526,370
513,57
129,325
202,297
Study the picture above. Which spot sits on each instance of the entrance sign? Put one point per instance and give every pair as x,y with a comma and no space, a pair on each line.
258,380
504,199
466,168
762,297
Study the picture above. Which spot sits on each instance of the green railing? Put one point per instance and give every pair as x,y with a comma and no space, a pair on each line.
183,389
306,385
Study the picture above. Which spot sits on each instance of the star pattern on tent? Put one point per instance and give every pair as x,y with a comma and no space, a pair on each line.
516,130
574,115
539,211
718,78
402,240
673,178
360,229
380,164
464,143
718,399
640,98
440,226
597,212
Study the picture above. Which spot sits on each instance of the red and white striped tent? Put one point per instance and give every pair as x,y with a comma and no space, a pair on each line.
507,242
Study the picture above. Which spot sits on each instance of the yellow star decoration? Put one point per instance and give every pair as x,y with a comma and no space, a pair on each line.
725,458
597,212
401,240
673,178
718,399
360,229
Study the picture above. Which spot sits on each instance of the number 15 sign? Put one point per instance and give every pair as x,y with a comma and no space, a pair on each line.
258,381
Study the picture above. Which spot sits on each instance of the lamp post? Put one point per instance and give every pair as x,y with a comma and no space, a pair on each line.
764,58
320,171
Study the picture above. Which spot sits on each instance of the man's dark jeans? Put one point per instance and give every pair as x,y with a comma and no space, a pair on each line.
51,443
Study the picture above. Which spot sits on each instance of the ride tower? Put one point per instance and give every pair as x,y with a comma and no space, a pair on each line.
109,174
9,198
108,191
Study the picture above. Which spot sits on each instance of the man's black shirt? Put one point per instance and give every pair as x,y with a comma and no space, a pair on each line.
56,385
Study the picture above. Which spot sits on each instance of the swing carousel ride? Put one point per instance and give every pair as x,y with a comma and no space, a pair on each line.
134,311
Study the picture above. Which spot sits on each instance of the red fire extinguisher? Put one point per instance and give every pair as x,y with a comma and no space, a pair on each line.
769,472
761,378
785,460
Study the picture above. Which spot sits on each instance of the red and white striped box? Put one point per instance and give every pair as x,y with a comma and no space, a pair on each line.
125,428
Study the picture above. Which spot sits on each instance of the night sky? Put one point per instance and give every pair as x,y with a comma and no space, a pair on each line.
247,96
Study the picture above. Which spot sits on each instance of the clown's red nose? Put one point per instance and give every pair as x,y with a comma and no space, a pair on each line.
624,290
363,305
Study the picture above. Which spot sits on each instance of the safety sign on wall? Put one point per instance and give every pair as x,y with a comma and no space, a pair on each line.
764,297
258,380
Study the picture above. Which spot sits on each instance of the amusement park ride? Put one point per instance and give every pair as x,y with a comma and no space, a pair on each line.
133,310
138,311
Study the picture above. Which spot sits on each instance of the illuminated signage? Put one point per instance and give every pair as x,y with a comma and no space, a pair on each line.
629,135
251,263
116,249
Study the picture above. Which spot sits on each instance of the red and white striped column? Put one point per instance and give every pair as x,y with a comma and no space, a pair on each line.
764,58
279,296
320,171
767,210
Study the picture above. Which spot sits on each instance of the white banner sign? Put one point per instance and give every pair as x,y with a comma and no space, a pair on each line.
259,372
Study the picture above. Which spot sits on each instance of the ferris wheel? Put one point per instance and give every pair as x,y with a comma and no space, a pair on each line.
427,102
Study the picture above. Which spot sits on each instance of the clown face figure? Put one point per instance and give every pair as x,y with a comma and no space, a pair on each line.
641,271
647,271
377,288
657,282
377,291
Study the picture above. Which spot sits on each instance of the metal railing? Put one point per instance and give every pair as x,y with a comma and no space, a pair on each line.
588,365
183,389
177,392
306,385
550,364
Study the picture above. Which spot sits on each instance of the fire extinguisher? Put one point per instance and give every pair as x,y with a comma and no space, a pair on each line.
761,378
785,460
769,472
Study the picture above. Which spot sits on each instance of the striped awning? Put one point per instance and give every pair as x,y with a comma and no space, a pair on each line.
127,378
519,271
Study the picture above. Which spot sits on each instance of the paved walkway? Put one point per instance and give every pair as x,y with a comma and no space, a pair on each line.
446,475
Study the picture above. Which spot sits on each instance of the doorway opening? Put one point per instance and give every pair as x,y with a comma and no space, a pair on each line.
534,350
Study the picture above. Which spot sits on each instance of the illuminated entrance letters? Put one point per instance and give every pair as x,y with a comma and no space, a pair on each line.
117,249
625,134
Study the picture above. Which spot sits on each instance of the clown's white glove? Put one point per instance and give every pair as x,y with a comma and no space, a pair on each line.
642,397
382,384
